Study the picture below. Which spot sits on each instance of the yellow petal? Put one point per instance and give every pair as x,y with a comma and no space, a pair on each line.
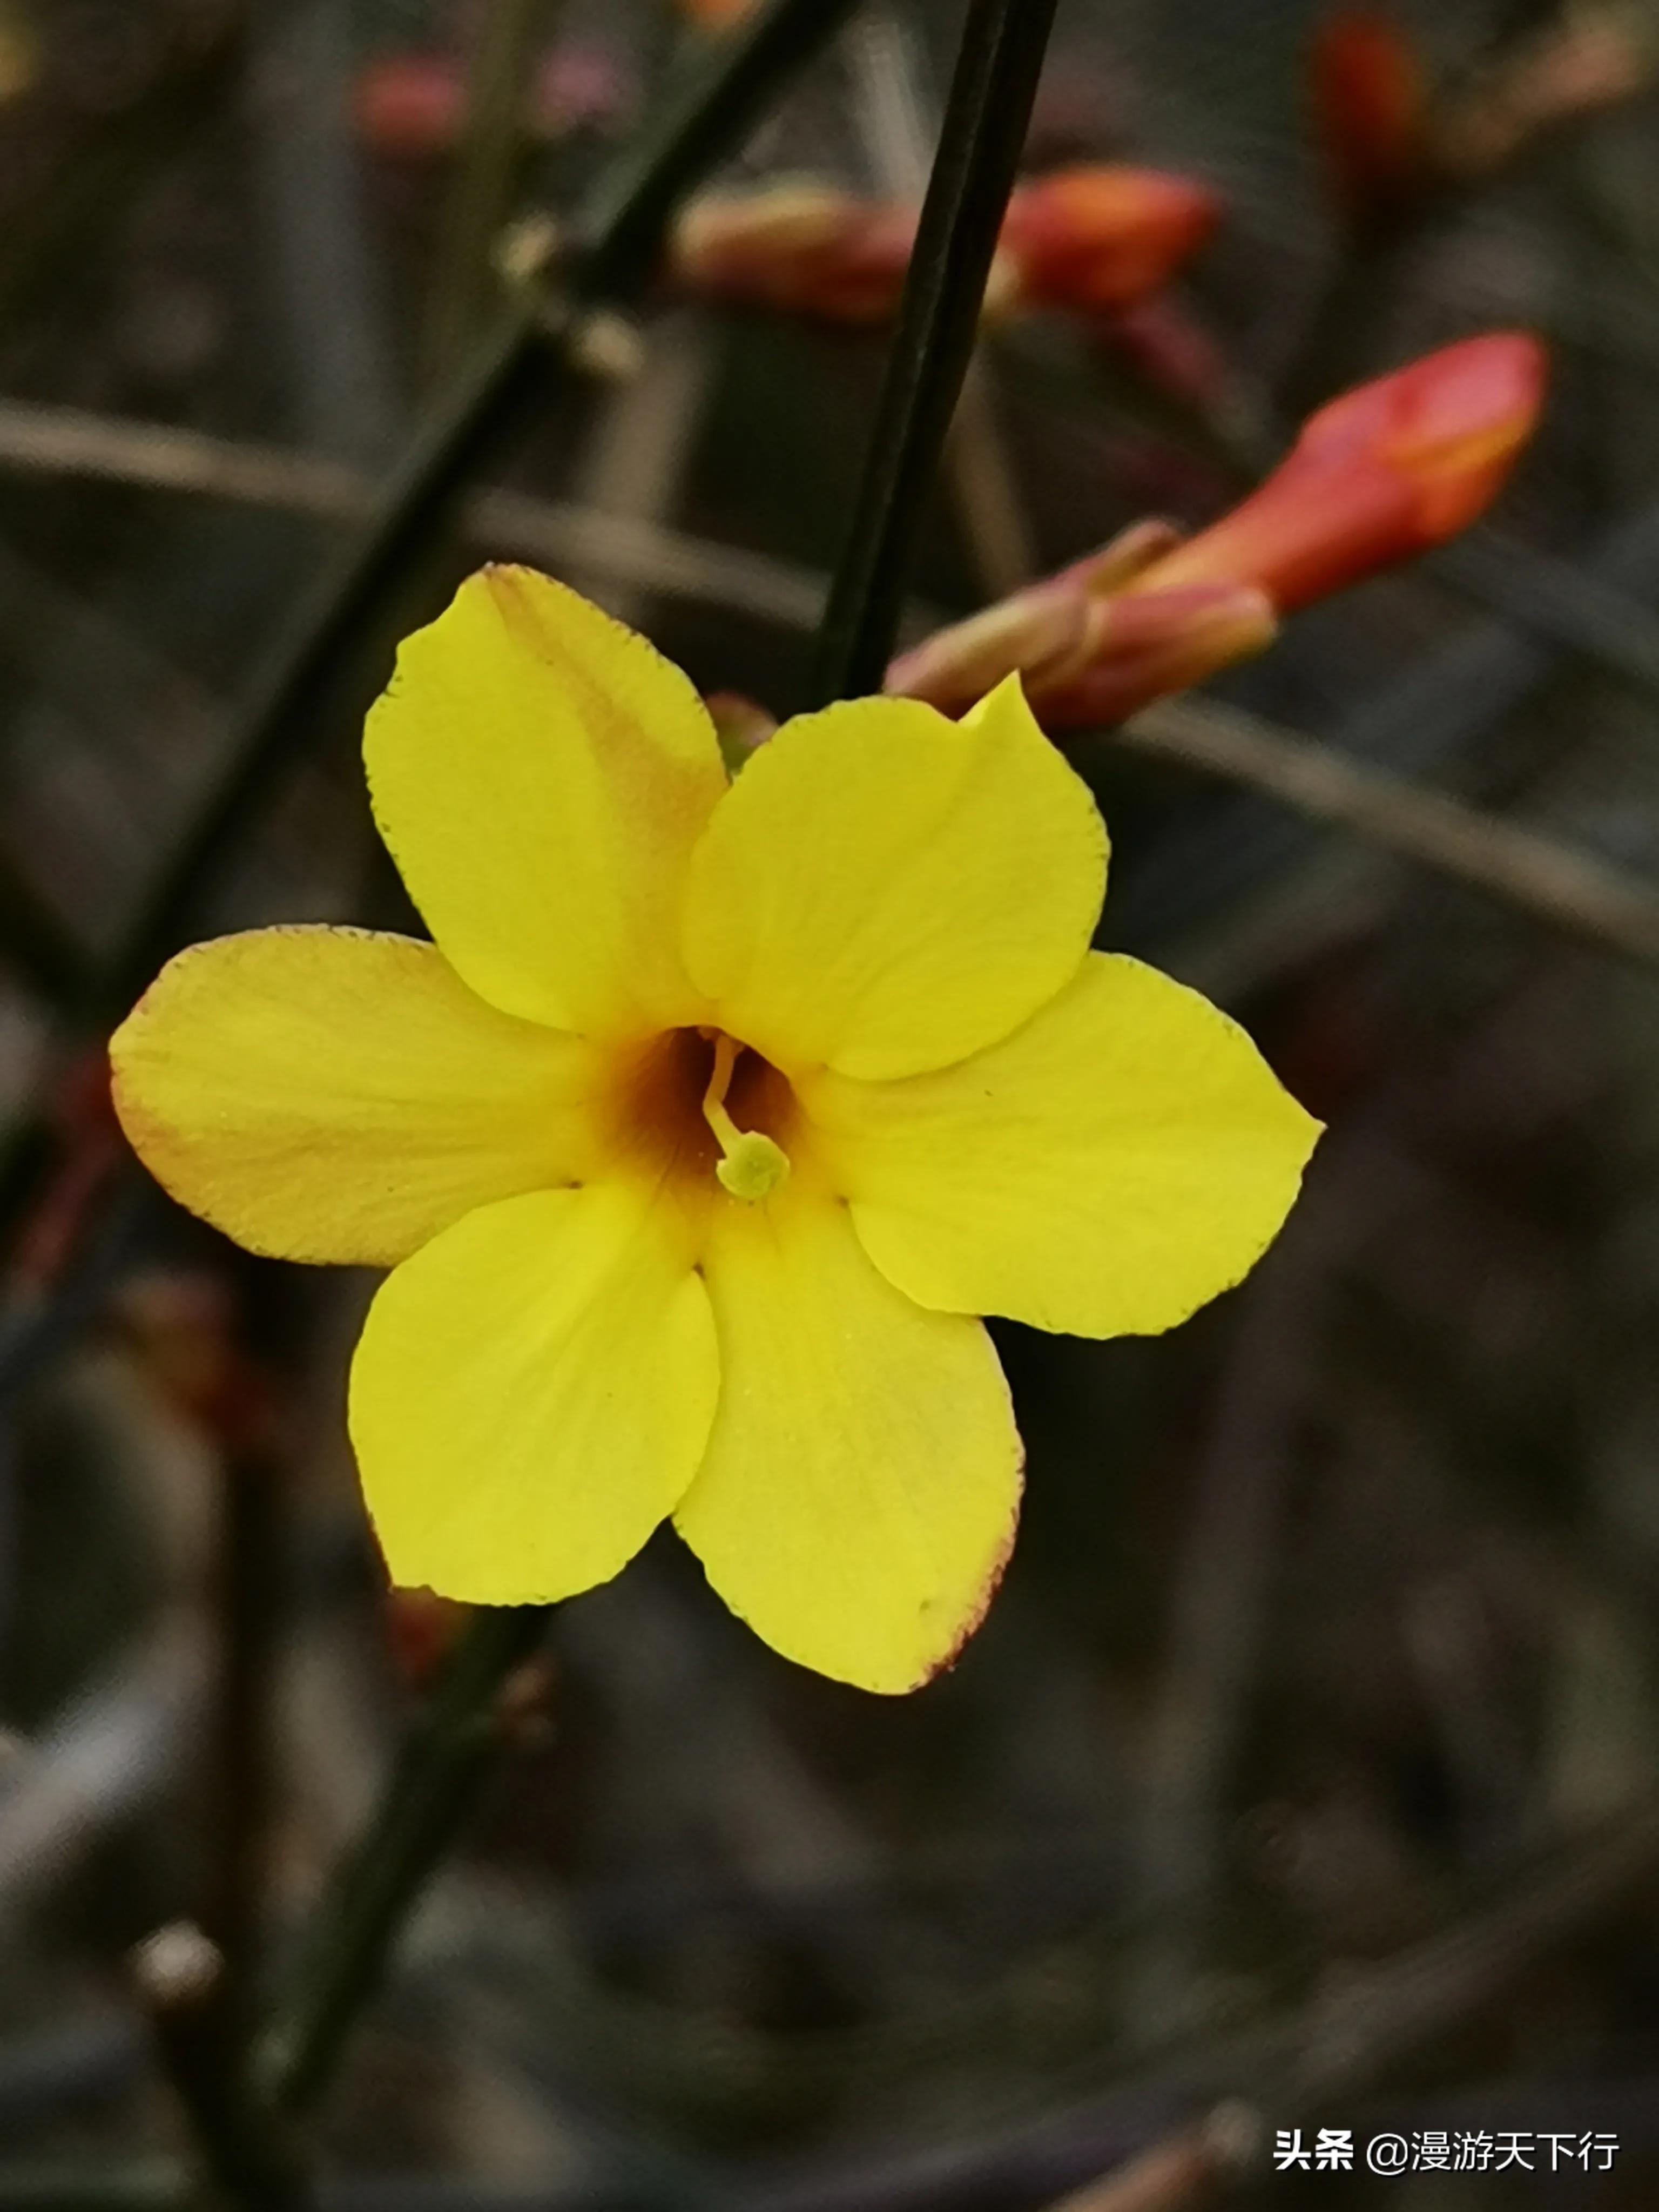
1124,1158
328,1094
861,1486
885,891
540,774
531,1395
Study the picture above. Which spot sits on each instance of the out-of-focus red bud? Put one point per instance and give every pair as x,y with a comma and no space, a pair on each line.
410,105
1045,627
715,15
1093,240
1086,651
804,247
413,106
1149,644
1371,110
421,1627
1099,236
1383,473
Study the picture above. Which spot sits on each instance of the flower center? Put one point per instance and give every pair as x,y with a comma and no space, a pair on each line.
696,1104
751,1164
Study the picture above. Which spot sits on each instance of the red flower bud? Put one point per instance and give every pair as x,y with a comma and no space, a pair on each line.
1098,237
1371,104
411,105
1149,644
1381,473
804,247
1086,651
1095,239
715,15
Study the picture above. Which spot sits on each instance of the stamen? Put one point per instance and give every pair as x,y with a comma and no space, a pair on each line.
752,1165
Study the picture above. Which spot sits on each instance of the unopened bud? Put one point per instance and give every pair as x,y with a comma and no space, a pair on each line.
715,15
1086,655
1036,630
409,106
798,246
1381,473
1097,237
1371,110
1150,644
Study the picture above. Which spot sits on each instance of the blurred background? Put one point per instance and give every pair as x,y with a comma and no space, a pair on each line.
1307,1759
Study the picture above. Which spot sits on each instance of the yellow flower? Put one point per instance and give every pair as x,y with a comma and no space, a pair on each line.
710,1123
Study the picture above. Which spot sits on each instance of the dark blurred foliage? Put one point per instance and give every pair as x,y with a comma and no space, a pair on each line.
1330,1612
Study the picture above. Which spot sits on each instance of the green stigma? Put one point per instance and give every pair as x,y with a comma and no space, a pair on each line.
752,1167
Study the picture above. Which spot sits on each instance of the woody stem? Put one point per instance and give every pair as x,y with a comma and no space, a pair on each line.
433,1788
998,67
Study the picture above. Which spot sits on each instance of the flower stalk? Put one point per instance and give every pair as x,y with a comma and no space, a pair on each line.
430,1796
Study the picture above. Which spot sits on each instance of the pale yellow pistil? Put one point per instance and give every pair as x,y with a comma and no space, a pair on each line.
750,1166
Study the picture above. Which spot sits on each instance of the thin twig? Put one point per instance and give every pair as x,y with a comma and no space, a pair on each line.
1571,891
1556,599
427,1800
625,549
248,1607
181,1978
897,127
997,66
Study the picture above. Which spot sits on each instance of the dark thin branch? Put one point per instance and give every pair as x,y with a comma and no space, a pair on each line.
252,1481
181,1978
995,83
431,1793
